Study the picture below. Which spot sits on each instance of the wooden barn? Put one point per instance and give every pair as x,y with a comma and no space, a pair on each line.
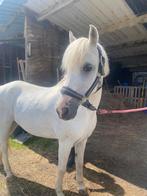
38,59
45,45
33,38
12,44
122,26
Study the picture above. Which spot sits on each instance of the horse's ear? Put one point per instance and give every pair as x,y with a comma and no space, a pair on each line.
71,37
93,35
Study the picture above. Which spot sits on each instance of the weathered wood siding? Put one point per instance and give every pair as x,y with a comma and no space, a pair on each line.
48,43
9,52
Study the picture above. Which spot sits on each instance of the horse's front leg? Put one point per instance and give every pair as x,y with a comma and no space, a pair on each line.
63,154
79,152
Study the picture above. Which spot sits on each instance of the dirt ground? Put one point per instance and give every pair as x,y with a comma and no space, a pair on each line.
115,161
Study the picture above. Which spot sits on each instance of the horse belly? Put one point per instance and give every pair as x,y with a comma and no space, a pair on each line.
36,127
41,132
35,121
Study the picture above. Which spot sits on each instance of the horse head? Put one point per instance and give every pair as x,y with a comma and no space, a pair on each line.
85,63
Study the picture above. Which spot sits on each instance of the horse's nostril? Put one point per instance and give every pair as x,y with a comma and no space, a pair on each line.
65,111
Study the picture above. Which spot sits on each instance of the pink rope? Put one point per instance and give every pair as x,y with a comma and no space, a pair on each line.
104,111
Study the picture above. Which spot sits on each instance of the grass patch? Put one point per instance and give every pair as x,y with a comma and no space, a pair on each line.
14,144
42,144
35,143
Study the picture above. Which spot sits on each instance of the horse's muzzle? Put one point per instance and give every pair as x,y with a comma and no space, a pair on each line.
67,110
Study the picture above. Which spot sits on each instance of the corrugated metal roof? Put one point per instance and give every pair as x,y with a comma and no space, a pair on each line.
11,19
115,20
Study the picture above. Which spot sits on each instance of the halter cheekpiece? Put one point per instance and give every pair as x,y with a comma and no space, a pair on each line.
84,98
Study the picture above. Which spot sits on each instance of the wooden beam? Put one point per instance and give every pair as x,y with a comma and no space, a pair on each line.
129,66
125,22
132,66
139,69
56,9
131,60
127,45
127,49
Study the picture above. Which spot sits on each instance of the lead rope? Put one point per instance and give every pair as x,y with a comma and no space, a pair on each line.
104,111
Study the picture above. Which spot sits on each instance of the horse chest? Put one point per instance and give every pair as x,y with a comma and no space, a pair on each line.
79,128
89,125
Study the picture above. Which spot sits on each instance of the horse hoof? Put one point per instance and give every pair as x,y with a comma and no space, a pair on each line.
83,192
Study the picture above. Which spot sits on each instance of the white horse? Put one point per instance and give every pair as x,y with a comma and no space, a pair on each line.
46,112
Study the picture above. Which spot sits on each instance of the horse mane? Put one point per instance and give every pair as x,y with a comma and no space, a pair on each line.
78,49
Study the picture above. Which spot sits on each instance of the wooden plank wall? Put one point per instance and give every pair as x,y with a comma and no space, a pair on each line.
48,43
9,52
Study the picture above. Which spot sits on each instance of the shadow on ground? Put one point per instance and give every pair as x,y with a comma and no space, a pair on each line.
20,186
118,145
106,181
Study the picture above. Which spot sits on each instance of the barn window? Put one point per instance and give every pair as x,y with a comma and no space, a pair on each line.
138,6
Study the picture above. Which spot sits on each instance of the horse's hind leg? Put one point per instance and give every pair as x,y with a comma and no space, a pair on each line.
4,136
4,149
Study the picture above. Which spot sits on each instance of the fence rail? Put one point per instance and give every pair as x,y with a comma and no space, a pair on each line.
132,94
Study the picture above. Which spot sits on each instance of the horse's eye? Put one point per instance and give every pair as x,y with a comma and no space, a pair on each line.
87,67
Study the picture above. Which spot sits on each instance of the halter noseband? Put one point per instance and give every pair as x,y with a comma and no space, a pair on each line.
84,98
